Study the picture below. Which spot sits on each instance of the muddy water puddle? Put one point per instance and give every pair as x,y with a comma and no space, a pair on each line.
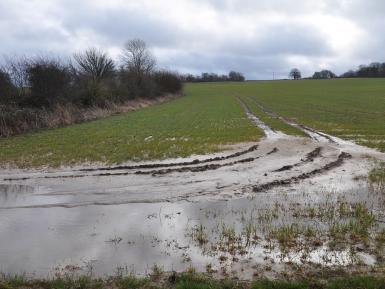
231,237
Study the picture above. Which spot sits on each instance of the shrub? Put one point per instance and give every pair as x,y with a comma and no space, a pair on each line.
7,89
94,72
49,82
167,82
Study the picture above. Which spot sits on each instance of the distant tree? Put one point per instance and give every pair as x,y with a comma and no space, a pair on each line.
236,76
210,77
295,73
137,58
374,69
324,74
188,78
349,74
205,76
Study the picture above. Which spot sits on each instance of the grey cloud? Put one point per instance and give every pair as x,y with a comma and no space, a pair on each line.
282,39
258,46
119,25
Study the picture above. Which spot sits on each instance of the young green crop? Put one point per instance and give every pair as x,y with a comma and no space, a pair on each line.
200,122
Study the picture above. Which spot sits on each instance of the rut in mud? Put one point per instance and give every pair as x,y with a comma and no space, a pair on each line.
264,187
165,165
310,132
153,165
202,168
309,158
268,131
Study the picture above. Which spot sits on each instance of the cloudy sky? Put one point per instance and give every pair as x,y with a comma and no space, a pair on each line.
256,37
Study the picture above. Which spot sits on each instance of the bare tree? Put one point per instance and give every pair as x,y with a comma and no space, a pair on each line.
16,67
295,73
94,72
94,63
137,58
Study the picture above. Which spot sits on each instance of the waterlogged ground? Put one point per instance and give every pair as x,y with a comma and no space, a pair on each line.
258,209
239,237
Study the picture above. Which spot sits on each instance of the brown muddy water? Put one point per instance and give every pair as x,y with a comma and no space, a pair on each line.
285,200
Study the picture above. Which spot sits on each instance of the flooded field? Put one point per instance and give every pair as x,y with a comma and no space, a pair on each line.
251,211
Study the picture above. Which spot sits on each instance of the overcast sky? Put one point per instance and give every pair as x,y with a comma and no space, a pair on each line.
256,37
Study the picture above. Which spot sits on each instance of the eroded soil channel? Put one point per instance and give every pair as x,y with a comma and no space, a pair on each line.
256,210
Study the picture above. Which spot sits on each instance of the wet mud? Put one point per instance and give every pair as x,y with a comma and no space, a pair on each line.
309,158
201,168
343,156
164,165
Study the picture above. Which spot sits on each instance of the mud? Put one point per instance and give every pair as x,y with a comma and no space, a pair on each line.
221,213
264,187
157,165
162,165
201,168
309,158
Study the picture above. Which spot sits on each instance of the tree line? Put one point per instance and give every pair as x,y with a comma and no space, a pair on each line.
372,70
213,77
375,69
88,78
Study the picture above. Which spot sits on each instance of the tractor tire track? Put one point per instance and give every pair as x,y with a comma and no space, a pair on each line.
202,168
309,158
165,165
310,132
149,166
276,183
268,131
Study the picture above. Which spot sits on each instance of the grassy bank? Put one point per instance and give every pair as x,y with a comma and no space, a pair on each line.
194,124
189,281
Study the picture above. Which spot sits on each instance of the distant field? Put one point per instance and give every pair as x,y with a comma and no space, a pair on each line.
353,109
208,116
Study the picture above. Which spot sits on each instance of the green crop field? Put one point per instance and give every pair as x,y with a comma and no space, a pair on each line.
206,118
197,123
352,109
